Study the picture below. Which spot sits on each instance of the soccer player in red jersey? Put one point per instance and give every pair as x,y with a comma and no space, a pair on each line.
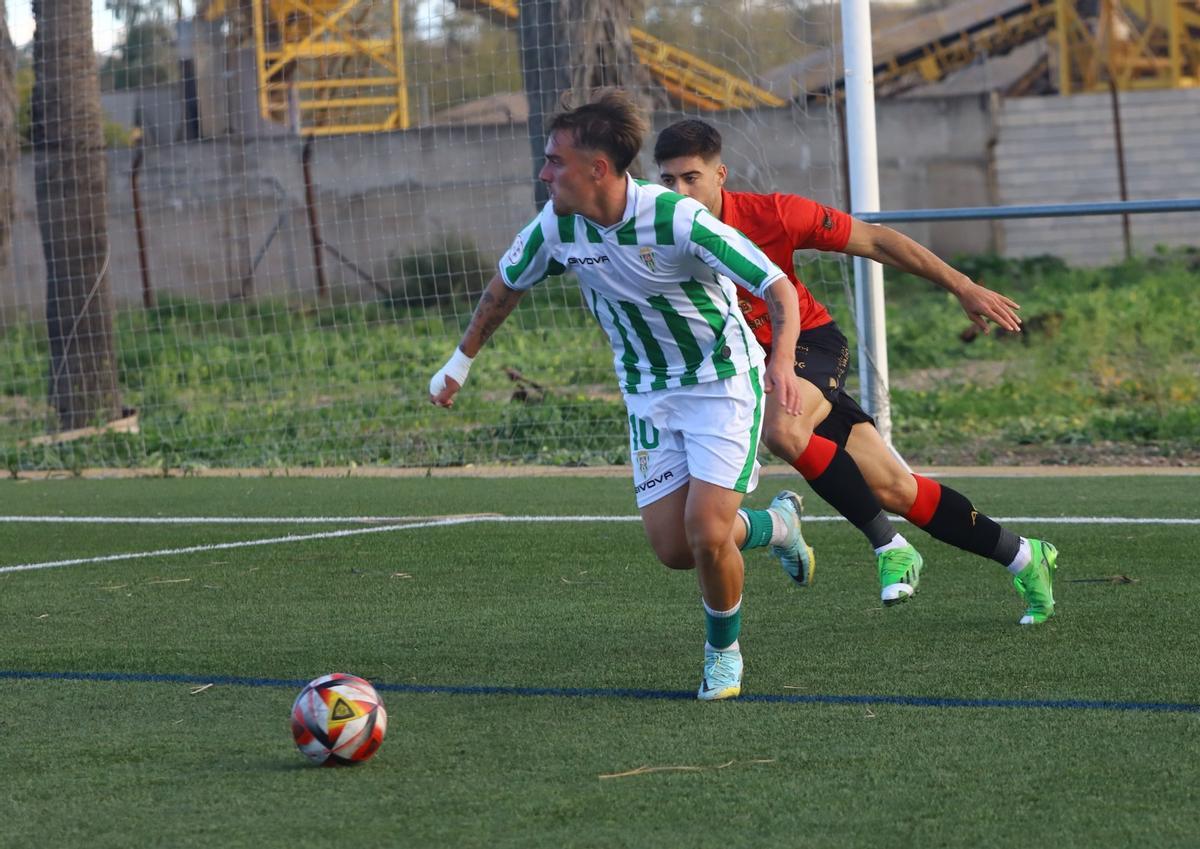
833,443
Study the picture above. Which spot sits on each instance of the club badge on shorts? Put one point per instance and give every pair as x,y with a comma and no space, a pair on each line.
643,463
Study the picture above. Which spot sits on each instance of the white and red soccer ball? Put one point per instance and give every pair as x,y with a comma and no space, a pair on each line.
338,720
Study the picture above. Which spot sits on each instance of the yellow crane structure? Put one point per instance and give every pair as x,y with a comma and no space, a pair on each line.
337,66
299,42
318,68
1136,43
686,77
1133,43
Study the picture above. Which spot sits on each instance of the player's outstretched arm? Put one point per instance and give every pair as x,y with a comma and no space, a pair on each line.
890,247
494,306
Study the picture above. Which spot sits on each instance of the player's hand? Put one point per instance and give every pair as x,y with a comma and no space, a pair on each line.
445,398
782,380
981,303
444,385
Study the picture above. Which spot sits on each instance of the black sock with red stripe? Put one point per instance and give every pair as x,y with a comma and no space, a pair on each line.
946,514
835,477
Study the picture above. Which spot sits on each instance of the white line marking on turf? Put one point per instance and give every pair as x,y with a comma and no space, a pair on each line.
463,520
226,520
419,521
191,549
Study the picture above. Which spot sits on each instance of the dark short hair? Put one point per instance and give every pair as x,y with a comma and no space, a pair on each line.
689,137
610,124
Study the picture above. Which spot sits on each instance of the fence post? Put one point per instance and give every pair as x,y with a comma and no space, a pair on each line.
314,226
139,226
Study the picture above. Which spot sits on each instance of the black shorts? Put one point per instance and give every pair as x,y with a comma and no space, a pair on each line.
822,358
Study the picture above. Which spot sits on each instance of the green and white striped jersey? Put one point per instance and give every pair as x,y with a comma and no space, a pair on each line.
658,282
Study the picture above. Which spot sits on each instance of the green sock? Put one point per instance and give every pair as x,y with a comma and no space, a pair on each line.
722,626
759,528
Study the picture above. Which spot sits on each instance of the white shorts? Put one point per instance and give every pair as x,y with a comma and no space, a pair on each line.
709,431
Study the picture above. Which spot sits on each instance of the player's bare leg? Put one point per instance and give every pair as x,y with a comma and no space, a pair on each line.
710,521
664,524
778,527
710,518
893,485
833,475
787,436
696,526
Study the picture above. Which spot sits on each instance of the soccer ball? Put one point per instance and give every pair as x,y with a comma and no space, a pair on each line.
338,720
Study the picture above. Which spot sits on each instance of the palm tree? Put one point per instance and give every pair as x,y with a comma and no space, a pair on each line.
601,50
571,48
70,175
8,136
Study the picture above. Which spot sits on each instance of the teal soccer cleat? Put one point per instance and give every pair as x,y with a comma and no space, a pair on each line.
795,555
722,674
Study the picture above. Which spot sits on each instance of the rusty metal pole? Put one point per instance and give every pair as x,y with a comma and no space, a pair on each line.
139,226
1118,137
314,227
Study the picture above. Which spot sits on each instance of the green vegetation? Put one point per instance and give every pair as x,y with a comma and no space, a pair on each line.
583,605
1110,355
1109,367
448,272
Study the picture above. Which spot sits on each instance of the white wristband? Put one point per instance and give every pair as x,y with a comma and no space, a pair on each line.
456,367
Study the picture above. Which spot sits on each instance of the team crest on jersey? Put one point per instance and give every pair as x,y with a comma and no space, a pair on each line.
518,248
643,463
648,258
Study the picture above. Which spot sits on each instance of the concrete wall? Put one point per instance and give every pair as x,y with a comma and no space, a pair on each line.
384,194
387,193
1062,150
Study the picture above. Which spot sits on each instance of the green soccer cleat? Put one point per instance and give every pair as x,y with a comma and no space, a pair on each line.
722,674
899,574
1035,583
795,555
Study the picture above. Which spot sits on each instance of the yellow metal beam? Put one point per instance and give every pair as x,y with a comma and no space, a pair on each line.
298,38
684,75
1138,44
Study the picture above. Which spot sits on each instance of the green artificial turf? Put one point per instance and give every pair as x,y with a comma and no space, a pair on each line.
141,761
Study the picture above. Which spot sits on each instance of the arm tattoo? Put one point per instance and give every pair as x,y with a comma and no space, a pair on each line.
774,307
491,312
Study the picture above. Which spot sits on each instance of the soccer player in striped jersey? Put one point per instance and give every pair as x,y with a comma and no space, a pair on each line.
655,269
833,443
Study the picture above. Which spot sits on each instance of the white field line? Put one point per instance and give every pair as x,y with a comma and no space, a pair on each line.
423,521
191,549
447,521
227,520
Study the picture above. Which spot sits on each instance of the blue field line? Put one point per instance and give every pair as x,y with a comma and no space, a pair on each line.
615,693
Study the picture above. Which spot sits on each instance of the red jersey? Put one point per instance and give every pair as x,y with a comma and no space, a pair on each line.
781,225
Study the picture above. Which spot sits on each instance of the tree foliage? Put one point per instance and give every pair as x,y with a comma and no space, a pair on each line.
144,57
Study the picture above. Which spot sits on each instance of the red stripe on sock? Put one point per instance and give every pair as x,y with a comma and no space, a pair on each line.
929,495
816,457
